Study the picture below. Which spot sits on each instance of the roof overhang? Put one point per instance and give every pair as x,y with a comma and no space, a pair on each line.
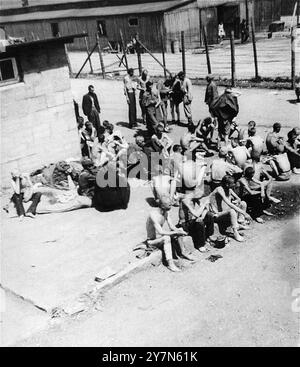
153,7
41,43
212,3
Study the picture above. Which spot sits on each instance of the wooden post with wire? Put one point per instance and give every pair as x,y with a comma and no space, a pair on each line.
183,52
138,52
154,57
124,49
254,50
233,72
163,53
88,52
100,55
206,50
293,57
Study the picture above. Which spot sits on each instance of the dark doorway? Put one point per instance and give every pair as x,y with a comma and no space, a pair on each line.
209,20
55,29
229,15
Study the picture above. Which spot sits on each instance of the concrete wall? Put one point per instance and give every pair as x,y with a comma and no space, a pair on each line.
38,124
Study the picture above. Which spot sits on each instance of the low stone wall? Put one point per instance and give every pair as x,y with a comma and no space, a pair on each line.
38,124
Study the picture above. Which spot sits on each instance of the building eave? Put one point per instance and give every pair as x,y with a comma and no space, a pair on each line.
40,43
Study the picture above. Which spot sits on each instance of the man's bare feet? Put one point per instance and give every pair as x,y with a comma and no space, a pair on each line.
187,257
21,217
171,266
268,213
260,220
274,200
244,226
238,237
296,171
30,215
203,249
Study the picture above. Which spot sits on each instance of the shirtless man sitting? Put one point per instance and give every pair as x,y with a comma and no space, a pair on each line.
163,186
274,140
244,133
205,129
190,142
220,167
229,210
255,144
157,236
238,154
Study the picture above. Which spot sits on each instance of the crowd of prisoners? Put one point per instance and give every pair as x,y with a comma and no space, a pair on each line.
216,173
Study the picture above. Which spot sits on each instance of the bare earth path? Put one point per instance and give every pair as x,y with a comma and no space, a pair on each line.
243,299
273,59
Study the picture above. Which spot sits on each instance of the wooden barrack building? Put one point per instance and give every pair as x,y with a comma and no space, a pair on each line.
37,19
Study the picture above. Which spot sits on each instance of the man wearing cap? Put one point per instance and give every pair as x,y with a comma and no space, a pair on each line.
220,168
91,108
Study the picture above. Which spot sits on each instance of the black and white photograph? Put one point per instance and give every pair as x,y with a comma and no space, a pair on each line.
150,176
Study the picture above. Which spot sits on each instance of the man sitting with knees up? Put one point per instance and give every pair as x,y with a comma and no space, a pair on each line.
256,194
157,236
190,142
198,221
229,210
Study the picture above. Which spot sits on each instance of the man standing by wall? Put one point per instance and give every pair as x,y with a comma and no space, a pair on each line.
130,86
91,108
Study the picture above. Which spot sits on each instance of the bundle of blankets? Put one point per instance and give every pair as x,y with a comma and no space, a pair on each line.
56,182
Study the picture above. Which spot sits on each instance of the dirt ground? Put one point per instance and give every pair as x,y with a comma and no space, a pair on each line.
243,299
273,60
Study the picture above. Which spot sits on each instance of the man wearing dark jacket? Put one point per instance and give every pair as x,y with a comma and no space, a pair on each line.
211,93
91,108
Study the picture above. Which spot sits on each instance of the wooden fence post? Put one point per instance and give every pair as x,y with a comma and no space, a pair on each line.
88,52
124,49
138,52
254,49
207,51
183,52
232,46
163,54
89,55
155,58
100,56
293,57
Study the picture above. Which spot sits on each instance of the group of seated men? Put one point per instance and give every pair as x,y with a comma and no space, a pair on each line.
240,188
